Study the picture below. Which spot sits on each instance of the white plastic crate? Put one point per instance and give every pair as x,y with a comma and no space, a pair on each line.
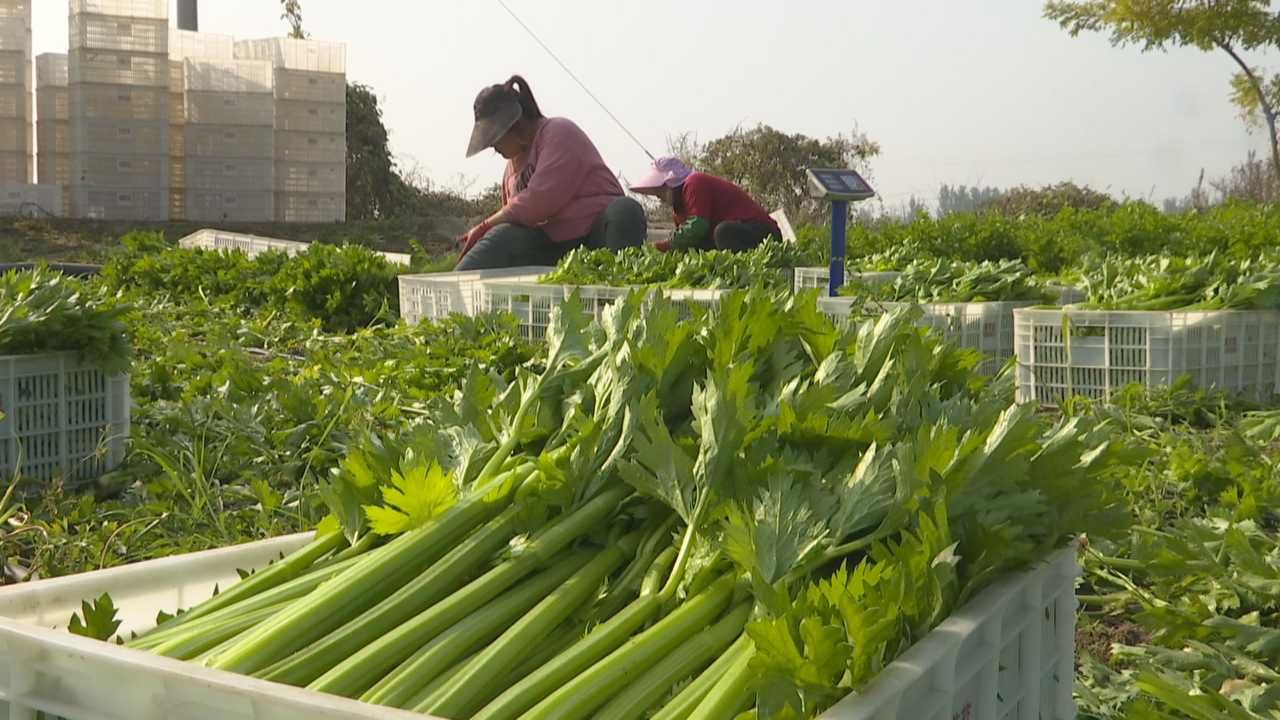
13,167
53,103
987,327
15,101
120,171
310,208
817,278
120,33
46,671
177,203
229,76
29,200
530,302
1007,654
311,178
685,299
16,9
51,70
177,110
62,418
1091,353
296,54
158,9
230,174
124,137
177,142
311,117
177,76
251,245
432,296
109,67
14,33
1066,295
311,86
14,68
53,137
299,147
55,169
225,108
13,135
185,44
228,206
229,141
94,203
127,102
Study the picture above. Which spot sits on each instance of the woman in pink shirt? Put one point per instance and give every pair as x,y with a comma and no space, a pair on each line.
557,193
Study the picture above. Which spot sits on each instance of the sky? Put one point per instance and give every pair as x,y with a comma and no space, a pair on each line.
981,93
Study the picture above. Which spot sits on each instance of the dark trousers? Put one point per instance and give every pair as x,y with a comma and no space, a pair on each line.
621,225
738,236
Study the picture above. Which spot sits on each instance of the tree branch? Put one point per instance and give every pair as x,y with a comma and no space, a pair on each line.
1268,112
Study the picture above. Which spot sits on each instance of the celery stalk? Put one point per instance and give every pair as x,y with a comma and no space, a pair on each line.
472,688
582,695
353,676
422,592
399,688
691,657
687,699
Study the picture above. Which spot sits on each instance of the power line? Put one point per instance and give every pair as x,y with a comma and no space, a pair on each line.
575,79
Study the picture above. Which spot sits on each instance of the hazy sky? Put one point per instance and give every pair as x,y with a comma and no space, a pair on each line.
959,92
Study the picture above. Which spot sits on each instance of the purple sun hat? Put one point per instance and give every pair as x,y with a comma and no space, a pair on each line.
667,171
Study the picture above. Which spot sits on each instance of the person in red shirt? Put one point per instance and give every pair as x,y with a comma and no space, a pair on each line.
557,193
711,213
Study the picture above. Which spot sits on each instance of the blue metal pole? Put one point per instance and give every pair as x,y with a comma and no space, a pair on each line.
837,246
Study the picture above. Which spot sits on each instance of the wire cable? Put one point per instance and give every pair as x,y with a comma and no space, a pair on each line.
575,79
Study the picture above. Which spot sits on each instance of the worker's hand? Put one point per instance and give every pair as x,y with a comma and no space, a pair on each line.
663,245
472,237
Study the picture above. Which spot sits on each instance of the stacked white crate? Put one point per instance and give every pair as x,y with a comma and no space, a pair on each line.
186,45
53,126
119,87
17,146
230,140
310,124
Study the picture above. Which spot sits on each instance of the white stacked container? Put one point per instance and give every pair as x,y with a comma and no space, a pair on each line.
186,45
53,126
310,126
17,139
119,73
230,141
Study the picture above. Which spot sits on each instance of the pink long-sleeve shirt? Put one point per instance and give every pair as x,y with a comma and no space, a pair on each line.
559,183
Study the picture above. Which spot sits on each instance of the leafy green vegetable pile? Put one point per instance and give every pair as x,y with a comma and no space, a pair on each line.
753,511
715,269
1054,245
43,311
345,288
1209,282
945,281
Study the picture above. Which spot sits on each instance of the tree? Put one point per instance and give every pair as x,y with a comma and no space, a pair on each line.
1232,26
964,198
770,164
293,13
1046,202
374,187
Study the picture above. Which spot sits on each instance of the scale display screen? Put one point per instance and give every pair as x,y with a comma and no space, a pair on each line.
838,185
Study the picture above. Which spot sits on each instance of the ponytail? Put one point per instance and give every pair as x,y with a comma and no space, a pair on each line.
529,109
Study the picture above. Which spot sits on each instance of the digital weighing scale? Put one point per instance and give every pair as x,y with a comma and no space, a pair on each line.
838,187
